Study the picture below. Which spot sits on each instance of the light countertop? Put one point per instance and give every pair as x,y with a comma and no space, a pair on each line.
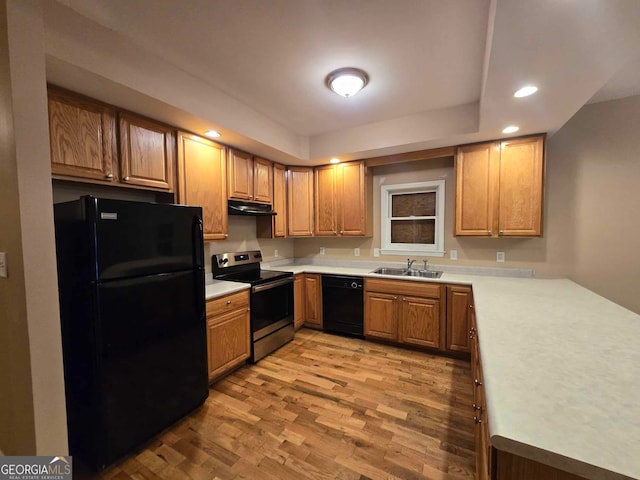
561,367
219,288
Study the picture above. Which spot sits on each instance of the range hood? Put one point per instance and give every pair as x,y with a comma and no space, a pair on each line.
238,207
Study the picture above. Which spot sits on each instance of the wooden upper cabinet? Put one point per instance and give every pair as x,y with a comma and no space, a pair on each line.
352,190
240,169
147,152
475,184
279,200
521,174
341,200
499,188
262,180
458,318
300,201
326,214
202,181
275,226
250,178
82,135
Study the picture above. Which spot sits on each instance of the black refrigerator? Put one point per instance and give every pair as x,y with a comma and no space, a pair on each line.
131,288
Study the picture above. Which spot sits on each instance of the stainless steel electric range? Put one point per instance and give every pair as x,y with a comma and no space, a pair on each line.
271,299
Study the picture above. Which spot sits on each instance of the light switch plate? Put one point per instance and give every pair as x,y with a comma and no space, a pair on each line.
453,254
3,264
376,252
356,252
275,254
500,257
321,250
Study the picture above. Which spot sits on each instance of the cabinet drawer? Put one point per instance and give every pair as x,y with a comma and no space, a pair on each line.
399,287
228,303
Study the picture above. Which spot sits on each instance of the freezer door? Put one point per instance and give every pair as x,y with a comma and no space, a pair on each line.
135,238
153,356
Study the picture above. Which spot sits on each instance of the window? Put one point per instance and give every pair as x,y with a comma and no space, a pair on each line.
412,219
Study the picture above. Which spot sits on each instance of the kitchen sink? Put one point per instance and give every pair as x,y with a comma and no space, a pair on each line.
390,271
423,273
403,272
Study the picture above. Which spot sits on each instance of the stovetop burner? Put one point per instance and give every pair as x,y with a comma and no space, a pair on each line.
243,267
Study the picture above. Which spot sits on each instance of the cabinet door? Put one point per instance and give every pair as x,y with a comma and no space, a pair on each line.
279,200
202,182
353,199
82,137
326,214
521,174
313,304
458,324
299,301
380,319
420,322
240,168
229,341
262,181
476,184
300,200
147,152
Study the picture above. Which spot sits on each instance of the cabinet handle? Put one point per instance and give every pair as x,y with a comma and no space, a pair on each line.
477,420
471,306
109,175
477,383
228,302
501,232
395,298
226,235
404,299
250,196
489,233
341,232
126,179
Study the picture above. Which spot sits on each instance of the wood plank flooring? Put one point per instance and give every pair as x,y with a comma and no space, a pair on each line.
323,407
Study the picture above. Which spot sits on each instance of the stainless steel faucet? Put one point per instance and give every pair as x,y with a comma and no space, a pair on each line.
409,263
426,264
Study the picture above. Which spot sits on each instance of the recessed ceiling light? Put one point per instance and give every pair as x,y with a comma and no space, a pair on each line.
510,129
347,81
212,134
334,160
526,91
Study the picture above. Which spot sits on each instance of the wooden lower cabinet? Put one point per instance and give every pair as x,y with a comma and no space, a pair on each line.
404,312
228,333
299,301
458,318
313,299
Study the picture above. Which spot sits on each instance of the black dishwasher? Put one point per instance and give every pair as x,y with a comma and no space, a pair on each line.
343,305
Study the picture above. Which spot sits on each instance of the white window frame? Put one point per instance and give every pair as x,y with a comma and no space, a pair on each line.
428,250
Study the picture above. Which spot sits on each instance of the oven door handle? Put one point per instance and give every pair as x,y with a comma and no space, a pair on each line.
270,285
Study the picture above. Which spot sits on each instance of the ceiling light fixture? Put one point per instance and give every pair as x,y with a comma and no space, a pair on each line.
347,81
334,160
510,129
212,134
526,91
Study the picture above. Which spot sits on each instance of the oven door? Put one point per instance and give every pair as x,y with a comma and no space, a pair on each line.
271,307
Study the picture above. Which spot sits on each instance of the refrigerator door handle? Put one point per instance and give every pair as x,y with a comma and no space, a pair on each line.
196,239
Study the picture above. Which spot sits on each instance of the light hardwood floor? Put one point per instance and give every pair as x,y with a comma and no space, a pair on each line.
323,407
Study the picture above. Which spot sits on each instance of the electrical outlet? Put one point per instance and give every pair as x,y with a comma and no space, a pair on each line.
376,252
321,250
356,252
500,257
3,264
453,254
275,254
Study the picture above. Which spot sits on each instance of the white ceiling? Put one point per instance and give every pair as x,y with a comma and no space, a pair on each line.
442,72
